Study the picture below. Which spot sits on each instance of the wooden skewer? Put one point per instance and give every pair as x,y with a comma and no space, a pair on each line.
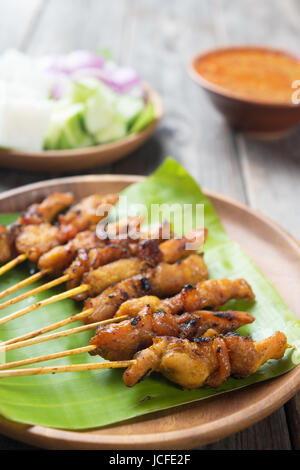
43,303
35,291
59,334
68,368
47,357
53,326
11,264
24,283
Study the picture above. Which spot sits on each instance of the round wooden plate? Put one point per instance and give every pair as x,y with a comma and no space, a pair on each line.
188,426
82,159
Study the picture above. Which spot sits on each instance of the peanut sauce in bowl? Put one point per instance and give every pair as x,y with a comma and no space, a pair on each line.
251,86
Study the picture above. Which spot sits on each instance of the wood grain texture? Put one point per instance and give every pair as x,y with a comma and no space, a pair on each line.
159,38
269,434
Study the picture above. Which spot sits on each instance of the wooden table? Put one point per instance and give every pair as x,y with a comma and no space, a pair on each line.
158,38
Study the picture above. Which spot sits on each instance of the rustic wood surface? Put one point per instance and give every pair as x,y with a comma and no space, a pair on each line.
159,38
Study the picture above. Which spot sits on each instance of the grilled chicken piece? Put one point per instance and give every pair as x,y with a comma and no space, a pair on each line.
175,249
209,361
36,242
106,276
45,212
89,211
120,341
160,232
123,229
163,280
147,250
89,252
112,250
207,294
87,260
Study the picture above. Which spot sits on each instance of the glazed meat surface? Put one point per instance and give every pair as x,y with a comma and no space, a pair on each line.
163,280
61,256
207,294
120,341
112,250
210,361
7,246
89,211
44,212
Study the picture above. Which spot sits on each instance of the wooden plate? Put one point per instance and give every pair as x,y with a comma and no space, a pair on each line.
188,426
82,159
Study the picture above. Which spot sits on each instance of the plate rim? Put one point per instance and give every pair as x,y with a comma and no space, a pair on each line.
179,439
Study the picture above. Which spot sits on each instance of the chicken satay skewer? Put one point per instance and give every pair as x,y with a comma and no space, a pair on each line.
46,357
109,253
43,303
60,334
63,254
131,334
57,235
211,362
68,368
99,279
26,282
132,338
52,327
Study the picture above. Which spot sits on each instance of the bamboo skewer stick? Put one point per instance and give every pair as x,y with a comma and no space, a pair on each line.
59,334
43,303
11,264
53,326
46,357
24,283
67,368
35,291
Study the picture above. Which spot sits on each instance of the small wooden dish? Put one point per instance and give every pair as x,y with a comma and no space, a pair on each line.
83,159
259,119
200,423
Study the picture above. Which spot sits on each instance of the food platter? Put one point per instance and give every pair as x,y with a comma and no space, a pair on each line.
79,159
188,426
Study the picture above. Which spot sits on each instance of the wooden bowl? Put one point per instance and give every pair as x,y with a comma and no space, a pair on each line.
200,423
82,159
260,119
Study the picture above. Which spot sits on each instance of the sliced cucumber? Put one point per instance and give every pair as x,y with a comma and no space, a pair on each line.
116,129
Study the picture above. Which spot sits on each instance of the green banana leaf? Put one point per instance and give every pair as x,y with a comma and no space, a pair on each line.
81,400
